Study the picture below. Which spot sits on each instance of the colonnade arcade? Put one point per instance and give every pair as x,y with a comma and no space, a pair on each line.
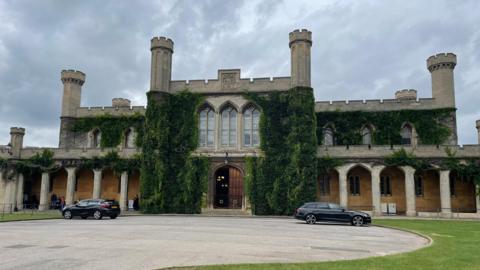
71,183
369,187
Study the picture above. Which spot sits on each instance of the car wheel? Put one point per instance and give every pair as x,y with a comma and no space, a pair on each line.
357,221
310,219
67,215
113,217
97,215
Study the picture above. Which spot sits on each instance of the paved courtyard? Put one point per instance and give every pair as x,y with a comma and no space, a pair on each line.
149,242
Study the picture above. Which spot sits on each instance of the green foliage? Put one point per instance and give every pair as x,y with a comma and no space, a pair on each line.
3,163
112,127
404,158
387,125
326,164
112,161
40,162
469,169
286,176
171,181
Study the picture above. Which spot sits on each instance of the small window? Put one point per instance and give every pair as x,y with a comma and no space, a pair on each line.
328,138
385,186
324,185
366,136
96,138
334,206
406,134
418,186
354,185
452,186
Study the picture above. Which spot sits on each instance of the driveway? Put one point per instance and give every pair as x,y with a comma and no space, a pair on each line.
149,242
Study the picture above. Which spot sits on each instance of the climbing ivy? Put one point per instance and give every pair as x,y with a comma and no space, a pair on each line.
468,168
112,127
112,161
326,164
387,125
172,181
403,158
285,177
38,163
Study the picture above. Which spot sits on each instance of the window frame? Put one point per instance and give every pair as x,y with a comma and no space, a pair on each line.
249,128
385,185
231,131
209,117
354,185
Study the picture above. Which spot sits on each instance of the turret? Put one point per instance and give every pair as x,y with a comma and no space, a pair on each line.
441,67
406,94
72,91
16,140
300,44
161,69
478,130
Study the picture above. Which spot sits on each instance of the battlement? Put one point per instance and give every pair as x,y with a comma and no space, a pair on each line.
114,111
406,94
441,60
300,35
478,124
17,130
120,102
161,42
73,76
229,81
376,105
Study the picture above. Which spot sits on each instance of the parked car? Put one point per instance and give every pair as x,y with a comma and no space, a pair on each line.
323,211
96,208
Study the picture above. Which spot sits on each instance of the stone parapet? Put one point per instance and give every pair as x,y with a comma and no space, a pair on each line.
381,151
114,111
161,42
377,105
73,76
441,60
78,153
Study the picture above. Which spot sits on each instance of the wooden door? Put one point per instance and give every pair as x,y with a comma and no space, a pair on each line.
235,191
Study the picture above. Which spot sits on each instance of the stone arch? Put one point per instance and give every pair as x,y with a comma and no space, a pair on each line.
129,137
207,104
392,181
367,134
329,134
359,186
248,105
226,104
228,187
94,138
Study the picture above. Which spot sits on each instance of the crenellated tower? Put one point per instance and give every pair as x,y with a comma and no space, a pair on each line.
441,67
16,140
300,42
161,68
72,96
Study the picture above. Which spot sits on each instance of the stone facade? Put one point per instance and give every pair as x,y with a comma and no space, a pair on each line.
434,196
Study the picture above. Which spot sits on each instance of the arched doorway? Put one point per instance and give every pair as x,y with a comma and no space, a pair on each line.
228,188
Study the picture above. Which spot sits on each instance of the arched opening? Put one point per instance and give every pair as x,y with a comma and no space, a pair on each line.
328,136
96,137
228,188
359,182
367,135
462,193
31,190
129,136
251,119
406,134
206,126
392,191
229,126
427,191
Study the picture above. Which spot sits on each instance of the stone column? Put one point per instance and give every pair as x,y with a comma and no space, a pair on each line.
97,183
342,184
477,196
124,191
376,199
44,190
445,201
410,196
20,182
10,194
2,190
71,179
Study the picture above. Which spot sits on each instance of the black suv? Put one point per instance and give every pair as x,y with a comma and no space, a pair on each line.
97,208
322,211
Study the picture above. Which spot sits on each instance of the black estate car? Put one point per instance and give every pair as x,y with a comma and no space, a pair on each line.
97,208
323,211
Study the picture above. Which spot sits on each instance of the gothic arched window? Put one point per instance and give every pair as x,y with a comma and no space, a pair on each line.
366,135
406,134
251,119
96,139
328,138
207,127
229,126
129,138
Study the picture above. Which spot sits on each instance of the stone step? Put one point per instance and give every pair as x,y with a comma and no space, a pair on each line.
225,212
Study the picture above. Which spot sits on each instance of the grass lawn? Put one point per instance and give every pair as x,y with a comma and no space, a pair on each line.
455,246
29,215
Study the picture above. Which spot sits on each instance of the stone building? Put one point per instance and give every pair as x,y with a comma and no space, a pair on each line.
229,132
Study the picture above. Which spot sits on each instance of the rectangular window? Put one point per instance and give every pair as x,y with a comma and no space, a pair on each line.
385,186
418,186
324,185
452,186
354,185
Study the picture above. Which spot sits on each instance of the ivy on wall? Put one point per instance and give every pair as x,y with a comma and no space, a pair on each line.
112,127
468,169
326,164
38,163
403,158
387,125
171,180
285,177
112,161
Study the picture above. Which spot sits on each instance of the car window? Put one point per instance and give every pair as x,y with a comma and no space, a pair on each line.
83,203
92,203
334,206
309,205
322,205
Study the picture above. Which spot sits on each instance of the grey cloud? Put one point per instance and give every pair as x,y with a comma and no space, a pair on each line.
362,50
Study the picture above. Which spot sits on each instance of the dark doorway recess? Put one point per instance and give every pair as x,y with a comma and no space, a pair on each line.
228,188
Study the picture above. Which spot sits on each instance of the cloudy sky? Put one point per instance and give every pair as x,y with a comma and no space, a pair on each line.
361,50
